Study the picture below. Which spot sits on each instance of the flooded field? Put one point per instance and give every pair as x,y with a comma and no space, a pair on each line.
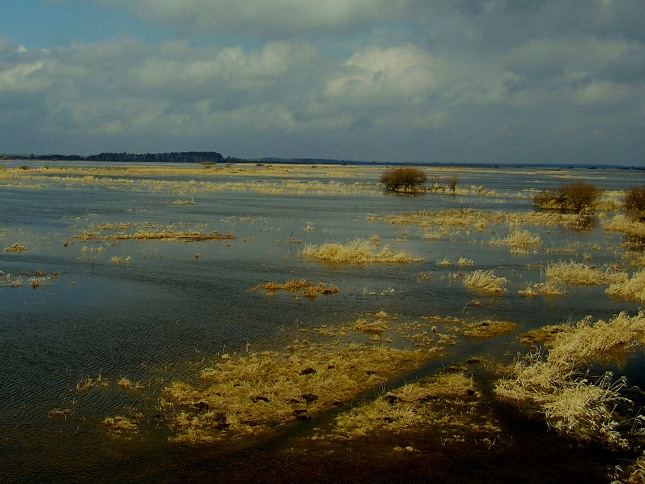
275,323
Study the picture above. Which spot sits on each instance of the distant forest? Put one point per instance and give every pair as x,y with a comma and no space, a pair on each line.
174,157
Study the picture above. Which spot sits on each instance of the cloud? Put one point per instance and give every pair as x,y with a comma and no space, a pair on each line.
277,19
469,80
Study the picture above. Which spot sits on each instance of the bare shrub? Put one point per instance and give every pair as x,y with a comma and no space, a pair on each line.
575,197
403,179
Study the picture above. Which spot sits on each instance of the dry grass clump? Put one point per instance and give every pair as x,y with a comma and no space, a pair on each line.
120,426
633,474
635,202
631,288
189,236
447,404
544,335
356,252
85,385
488,328
579,274
634,229
542,289
519,241
251,395
485,281
378,326
15,248
299,286
556,387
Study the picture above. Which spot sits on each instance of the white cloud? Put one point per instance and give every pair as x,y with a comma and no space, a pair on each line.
373,76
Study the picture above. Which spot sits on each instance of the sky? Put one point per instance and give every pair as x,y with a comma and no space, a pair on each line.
460,81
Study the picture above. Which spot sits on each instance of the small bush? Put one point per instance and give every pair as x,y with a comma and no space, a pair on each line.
403,179
635,202
575,197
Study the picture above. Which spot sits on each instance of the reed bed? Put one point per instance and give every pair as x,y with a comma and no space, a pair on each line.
356,252
557,385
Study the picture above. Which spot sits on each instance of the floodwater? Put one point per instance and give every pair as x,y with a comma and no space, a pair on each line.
153,311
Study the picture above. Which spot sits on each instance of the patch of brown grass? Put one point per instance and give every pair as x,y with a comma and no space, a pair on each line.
299,286
630,288
485,281
488,328
253,394
356,252
579,274
448,404
555,385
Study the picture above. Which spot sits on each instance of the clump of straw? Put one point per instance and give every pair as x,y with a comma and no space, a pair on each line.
486,281
356,252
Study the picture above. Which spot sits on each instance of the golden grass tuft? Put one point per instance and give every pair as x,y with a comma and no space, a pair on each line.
356,252
485,281
15,248
120,426
631,288
572,404
519,241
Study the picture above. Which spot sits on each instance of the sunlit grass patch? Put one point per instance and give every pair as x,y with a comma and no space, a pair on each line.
488,328
519,241
250,395
120,426
542,289
15,248
630,288
447,404
299,286
555,385
579,274
356,252
485,281
544,335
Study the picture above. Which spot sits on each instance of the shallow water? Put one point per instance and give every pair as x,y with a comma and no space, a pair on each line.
175,303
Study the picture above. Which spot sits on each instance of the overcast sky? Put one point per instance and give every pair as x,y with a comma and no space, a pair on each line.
490,81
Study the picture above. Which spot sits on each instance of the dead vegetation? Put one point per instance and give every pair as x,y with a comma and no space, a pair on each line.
557,384
485,281
448,404
356,252
300,286
251,395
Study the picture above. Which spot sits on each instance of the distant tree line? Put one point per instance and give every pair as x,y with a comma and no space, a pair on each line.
173,157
